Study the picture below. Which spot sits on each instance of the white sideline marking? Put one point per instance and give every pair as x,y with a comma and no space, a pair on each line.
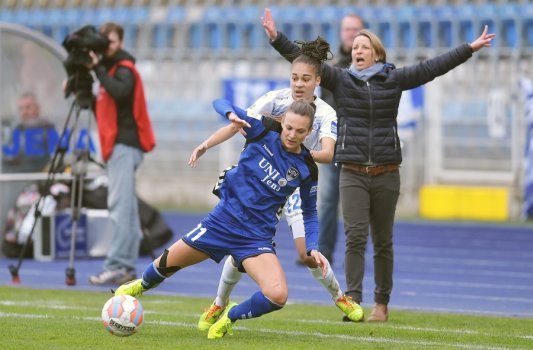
424,329
59,305
273,331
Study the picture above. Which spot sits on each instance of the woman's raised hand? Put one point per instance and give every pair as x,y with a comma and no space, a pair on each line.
483,40
269,25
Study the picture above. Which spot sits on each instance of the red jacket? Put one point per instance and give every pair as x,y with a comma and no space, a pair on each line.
106,115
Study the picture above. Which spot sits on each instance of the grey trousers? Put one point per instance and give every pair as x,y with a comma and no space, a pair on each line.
123,208
369,202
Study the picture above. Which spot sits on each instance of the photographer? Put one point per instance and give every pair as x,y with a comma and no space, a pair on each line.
125,133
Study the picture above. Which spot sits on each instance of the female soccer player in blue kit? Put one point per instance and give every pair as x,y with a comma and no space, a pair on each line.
273,164
304,78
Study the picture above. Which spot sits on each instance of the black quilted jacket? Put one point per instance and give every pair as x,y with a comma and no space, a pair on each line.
367,111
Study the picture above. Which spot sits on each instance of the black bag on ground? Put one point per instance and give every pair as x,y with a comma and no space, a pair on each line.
156,232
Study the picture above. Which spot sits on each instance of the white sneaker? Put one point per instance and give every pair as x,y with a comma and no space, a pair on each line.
118,277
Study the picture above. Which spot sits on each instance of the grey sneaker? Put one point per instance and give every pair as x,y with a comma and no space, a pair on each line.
117,277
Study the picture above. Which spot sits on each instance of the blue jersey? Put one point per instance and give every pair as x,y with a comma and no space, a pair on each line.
253,193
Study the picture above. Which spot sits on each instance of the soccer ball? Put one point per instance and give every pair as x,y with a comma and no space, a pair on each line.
122,315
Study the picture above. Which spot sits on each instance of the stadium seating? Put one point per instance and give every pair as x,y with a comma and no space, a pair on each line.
426,26
447,28
237,28
163,32
511,25
527,24
186,49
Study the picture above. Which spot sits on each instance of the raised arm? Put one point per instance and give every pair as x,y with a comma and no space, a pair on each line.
412,76
278,40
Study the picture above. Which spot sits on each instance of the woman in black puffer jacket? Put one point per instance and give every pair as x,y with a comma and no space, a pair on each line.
367,95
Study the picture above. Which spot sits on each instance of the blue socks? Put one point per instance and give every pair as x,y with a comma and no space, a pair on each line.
253,307
151,277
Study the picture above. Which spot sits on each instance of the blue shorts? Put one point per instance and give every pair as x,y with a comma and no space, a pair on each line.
219,241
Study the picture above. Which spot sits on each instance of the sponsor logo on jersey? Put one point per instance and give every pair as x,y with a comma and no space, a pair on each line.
316,125
292,173
272,175
313,189
268,151
334,128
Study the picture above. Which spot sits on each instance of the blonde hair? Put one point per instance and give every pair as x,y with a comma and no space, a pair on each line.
376,43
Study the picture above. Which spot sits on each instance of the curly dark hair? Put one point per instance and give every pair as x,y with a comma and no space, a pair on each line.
312,53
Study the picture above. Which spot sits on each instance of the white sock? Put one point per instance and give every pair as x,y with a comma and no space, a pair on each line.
229,278
329,282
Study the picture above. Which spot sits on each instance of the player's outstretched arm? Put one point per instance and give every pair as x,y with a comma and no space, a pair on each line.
223,134
483,41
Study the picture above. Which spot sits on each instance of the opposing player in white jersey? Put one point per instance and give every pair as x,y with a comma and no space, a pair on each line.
321,141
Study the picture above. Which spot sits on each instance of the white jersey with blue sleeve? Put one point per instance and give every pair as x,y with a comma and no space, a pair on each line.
253,193
274,104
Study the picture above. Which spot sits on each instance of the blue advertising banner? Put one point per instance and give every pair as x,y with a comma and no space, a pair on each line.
63,233
243,92
29,149
43,141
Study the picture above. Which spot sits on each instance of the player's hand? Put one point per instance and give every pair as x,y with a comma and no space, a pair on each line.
483,41
238,122
196,154
321,261
269,25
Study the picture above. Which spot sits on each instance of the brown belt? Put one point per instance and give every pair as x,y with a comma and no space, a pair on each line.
372,170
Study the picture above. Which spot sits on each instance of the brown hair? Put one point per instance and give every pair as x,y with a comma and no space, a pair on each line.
304,109
377,45
110,27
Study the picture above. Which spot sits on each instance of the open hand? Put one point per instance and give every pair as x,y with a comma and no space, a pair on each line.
269,25
483,41
196,154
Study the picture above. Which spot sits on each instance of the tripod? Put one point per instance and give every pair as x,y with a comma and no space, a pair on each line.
79,170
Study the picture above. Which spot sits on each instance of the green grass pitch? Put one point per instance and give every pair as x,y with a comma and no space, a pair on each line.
62,319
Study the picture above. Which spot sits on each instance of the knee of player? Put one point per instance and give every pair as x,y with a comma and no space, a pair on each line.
277,295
